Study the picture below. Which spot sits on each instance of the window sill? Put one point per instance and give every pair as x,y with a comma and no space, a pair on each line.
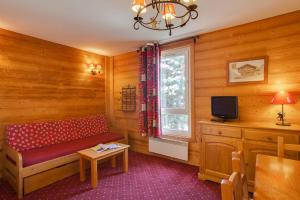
176,137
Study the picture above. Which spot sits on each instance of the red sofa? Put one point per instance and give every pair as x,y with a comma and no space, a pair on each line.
38,150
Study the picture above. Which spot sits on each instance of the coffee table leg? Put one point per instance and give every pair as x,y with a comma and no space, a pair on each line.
82,169
94,173
113,162
125,160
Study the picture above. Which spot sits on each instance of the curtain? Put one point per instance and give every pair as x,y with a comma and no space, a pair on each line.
149,124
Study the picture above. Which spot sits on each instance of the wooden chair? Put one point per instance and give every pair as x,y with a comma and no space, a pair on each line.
281,147
238,165
231,188
236,188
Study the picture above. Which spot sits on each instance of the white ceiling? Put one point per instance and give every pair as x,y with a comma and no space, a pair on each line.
106,26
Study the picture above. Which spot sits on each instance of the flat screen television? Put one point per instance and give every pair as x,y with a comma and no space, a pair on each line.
224,107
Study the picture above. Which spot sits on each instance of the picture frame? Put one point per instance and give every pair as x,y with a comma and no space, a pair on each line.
247,71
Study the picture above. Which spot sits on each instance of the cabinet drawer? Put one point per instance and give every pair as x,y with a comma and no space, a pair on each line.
270,136
222,131
50,176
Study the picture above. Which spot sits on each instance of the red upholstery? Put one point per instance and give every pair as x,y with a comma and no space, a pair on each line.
39,155
23,137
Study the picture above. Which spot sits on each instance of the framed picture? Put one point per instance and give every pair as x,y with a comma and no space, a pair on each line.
254,70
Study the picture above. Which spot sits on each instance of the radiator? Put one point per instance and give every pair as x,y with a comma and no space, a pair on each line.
171,148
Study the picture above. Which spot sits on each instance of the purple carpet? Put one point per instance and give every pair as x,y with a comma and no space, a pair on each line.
149,177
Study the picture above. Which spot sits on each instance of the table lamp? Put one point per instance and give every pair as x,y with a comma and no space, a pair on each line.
283,98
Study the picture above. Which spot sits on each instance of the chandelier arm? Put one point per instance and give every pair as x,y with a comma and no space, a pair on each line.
136,26
157,7
161,2
178,17
186,21
153,4
154,19
196,16
160,29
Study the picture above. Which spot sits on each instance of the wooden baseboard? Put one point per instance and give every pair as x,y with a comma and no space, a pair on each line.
162,156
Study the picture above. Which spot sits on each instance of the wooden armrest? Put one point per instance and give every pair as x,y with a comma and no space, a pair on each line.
12,155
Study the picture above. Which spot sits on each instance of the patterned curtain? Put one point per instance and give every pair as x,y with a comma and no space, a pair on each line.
149,77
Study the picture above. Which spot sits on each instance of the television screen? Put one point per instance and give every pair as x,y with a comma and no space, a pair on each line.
225,107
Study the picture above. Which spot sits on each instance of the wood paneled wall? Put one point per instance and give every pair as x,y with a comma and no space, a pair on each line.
277,37
126,72
40,80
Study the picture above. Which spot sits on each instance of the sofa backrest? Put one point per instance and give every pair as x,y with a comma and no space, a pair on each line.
23,137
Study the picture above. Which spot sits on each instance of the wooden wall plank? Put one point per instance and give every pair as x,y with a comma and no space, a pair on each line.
277,37
42,81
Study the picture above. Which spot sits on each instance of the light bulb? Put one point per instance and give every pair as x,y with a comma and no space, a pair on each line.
169,12
139,5
189,1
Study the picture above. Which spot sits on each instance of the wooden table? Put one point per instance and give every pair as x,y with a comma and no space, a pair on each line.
93,157
276,178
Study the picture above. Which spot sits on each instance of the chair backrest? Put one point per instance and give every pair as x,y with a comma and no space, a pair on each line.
238,165
281,147
236,188
231,188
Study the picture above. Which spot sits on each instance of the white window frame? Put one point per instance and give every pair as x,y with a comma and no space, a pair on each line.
187,110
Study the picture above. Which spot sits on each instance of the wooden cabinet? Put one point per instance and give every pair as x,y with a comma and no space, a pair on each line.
218,148
251,149
270,135
219,140
222,131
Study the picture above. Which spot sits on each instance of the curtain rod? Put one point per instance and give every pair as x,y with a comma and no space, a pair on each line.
182,39
179,40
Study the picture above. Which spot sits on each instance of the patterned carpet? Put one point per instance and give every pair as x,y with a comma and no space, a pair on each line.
149,177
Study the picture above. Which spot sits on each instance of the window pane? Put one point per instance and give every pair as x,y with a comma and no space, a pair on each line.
178,123
173,81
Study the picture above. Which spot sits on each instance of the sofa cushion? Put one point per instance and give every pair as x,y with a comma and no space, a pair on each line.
46,153
23,137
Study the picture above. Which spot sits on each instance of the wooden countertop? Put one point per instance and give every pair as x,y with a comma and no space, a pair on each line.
261,125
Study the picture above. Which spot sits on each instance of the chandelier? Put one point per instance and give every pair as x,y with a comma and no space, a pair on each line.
164,15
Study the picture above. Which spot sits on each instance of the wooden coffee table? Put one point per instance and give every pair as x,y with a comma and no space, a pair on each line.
93,157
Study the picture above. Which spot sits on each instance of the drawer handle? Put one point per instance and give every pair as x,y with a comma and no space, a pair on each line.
220,132
269,138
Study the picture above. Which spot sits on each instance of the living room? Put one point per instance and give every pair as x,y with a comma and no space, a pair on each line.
188,94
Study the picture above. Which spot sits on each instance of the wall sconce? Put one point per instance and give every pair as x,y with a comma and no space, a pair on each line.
95,69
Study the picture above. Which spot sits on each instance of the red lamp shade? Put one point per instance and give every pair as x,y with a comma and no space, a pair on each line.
283,97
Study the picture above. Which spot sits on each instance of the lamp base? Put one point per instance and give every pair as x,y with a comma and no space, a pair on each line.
283,124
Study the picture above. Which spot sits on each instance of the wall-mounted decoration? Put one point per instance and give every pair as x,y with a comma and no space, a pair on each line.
254,70
95,69
128,99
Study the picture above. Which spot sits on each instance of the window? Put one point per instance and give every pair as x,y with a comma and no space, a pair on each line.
175,92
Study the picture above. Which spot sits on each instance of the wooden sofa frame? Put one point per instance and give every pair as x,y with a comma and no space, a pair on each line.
31,178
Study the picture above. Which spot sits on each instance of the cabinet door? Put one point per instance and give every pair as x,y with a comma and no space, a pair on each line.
252,148
216,157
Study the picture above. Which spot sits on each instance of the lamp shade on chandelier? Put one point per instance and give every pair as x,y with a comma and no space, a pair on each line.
164,15
139,5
